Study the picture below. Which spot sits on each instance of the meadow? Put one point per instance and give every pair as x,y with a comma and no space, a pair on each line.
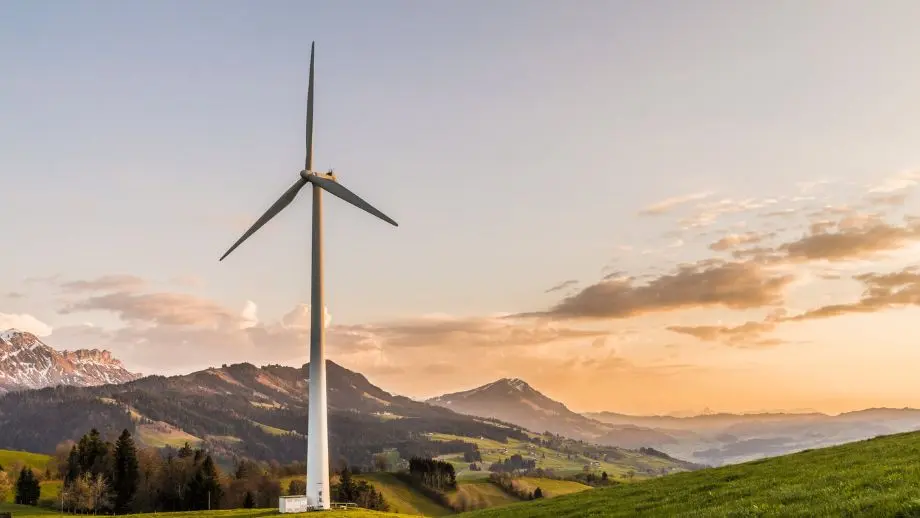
548,459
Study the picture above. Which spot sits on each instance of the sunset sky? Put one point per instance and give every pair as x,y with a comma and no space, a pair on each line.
642,207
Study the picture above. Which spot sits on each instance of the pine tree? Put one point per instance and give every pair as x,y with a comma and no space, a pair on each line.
538,493
204,489
185,451
249,501
73,465
28,490
126,475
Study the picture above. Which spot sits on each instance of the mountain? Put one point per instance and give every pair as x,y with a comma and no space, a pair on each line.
28,363
240,411
722,438
261,413
515,401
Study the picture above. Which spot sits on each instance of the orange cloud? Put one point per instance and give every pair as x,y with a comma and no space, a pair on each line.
709,283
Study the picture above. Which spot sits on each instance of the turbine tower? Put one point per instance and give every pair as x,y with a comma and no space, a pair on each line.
318,436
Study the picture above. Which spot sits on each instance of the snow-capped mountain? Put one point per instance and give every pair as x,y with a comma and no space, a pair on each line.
28,363
515,401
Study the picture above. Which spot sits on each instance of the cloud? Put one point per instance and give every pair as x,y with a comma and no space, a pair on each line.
299,317
469,333
175,309
117,282
708,283
15,295
897,182
882,291
734,240
249,315
709,213
24,322
670,204
850,238
562,285
162,328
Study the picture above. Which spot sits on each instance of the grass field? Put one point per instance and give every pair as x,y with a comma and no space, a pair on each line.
158,436
36,461
20,511
877,477
493,451
482,494
401,497
551,487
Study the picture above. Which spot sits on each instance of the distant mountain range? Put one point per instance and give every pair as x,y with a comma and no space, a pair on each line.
28,363
713,438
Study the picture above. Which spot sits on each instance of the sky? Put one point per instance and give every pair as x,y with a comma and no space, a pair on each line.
642,207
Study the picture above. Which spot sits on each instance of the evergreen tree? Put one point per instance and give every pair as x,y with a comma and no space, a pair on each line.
204,489
73,465
185,451
28,490
347,488
249,501
538,493
126,475
604,476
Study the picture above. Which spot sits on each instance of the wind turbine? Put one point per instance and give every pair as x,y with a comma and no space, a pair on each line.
318,435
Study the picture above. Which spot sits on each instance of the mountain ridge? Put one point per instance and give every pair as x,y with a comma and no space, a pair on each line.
26,362
515,401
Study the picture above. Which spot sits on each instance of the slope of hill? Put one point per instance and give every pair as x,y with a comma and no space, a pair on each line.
514,401
729,438
36,461
238,410
28,363
564,457
875,477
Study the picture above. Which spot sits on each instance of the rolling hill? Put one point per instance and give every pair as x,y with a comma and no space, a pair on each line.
873,477
515,401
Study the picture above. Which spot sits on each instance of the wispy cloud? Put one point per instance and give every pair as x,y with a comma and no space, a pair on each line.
114,282
669,204
562,285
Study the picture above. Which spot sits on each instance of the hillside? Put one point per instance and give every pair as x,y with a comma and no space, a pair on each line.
515,401
875,477
36,461
563,457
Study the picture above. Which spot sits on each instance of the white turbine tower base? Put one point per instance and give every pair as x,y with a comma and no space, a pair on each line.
317,496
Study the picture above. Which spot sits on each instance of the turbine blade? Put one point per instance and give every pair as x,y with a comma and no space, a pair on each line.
273,211
336,189
308,163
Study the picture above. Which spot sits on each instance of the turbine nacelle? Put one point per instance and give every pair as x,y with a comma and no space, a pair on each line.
307,175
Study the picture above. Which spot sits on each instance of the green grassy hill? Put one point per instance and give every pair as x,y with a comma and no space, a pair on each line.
36,461
549,459
876,477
